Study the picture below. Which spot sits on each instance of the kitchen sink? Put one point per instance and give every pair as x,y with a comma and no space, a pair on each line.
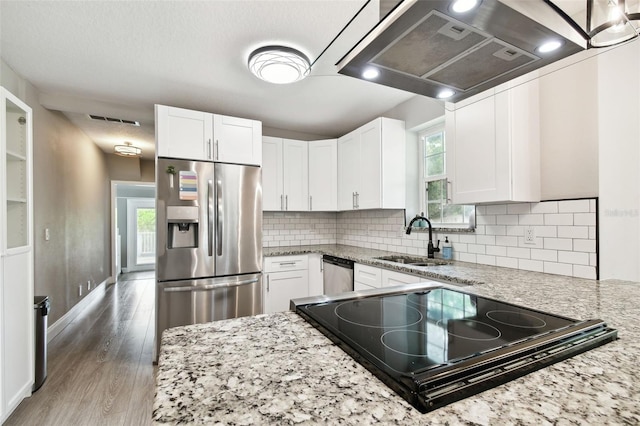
413,260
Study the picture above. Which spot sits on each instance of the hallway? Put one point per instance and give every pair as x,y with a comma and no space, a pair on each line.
100,368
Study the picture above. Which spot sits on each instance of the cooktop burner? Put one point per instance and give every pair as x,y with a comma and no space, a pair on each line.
439,345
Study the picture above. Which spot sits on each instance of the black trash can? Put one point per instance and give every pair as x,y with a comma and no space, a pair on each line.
41,310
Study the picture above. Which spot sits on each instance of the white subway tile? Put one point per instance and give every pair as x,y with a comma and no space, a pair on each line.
588,272
531,265
486,239
573,232
573,206
558,268
545,207
531,219
546,231
507,241
495,230
497,251
538,243
486,260
497,209
593,259
592,206
558,244
573,257
585,219
592,233
520,208
546,255
467,257
518,252
558,219
480,230
488,219
507,262
481,210
460,247
469,239
515,230
476,248
588,246
507,219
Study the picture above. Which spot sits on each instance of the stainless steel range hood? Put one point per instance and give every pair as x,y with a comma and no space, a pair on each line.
422,46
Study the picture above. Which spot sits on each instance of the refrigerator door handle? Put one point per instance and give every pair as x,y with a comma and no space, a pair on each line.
209,286
220,218
210,217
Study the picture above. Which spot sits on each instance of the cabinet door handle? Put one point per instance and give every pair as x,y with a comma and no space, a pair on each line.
357,200
286,202
209,149
281,202
310,203
217,146
353,200
267,283
449,184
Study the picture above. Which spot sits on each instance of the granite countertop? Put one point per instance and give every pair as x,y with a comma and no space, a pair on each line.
277,369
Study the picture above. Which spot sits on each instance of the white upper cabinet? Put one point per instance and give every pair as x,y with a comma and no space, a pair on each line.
196,135
371,166
183,133
285,175
237,140
323,175
272,174
493,146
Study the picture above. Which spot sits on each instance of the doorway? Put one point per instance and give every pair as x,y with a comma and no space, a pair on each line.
132,227
141,234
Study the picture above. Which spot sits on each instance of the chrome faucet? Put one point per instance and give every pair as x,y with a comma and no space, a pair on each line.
430,248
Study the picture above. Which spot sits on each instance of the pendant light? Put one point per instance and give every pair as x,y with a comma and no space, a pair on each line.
279,64
127,150
604,23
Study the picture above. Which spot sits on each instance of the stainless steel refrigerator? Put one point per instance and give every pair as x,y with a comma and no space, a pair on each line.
208,242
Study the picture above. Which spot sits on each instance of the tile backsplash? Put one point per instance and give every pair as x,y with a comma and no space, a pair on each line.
564,235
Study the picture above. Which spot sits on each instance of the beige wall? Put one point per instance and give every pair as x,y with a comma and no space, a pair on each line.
71,198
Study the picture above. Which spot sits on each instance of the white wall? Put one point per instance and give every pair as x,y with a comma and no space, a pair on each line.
619,162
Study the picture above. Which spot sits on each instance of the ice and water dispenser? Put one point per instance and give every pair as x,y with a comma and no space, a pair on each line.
183,222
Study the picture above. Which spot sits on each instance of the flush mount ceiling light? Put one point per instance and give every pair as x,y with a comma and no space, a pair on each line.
370,73
445,93
127,150
606,22
549,46
279,64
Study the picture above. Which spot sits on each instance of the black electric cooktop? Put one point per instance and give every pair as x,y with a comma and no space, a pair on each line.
439,345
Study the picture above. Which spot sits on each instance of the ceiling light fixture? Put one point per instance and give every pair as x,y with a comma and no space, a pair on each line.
370,73
279,64
549,46
445,93
606,23
127,150
462,6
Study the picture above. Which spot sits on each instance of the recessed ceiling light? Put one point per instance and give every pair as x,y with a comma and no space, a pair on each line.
370,73
549,46
279,64
462,6
445,93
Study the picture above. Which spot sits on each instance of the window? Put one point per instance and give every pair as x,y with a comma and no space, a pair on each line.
434,174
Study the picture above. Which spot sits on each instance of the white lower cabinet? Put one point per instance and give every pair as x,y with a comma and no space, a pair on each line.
367,276
392,278
286,278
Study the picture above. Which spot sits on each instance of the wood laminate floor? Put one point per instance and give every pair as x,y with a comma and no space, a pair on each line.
100,369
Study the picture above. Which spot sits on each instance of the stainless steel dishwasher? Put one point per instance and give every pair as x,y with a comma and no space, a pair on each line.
338,275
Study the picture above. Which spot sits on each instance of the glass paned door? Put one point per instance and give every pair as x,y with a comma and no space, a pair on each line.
141,234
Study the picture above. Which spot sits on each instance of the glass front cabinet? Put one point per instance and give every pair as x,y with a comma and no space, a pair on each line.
16,253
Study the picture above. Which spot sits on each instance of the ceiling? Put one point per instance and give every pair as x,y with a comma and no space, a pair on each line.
119,58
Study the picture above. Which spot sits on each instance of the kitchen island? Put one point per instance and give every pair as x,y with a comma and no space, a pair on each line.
277,369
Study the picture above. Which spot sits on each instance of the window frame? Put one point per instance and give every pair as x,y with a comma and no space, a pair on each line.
437,126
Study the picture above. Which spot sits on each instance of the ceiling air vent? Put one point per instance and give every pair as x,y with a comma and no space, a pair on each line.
114,120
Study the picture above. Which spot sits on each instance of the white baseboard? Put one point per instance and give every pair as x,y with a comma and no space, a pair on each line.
56,328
